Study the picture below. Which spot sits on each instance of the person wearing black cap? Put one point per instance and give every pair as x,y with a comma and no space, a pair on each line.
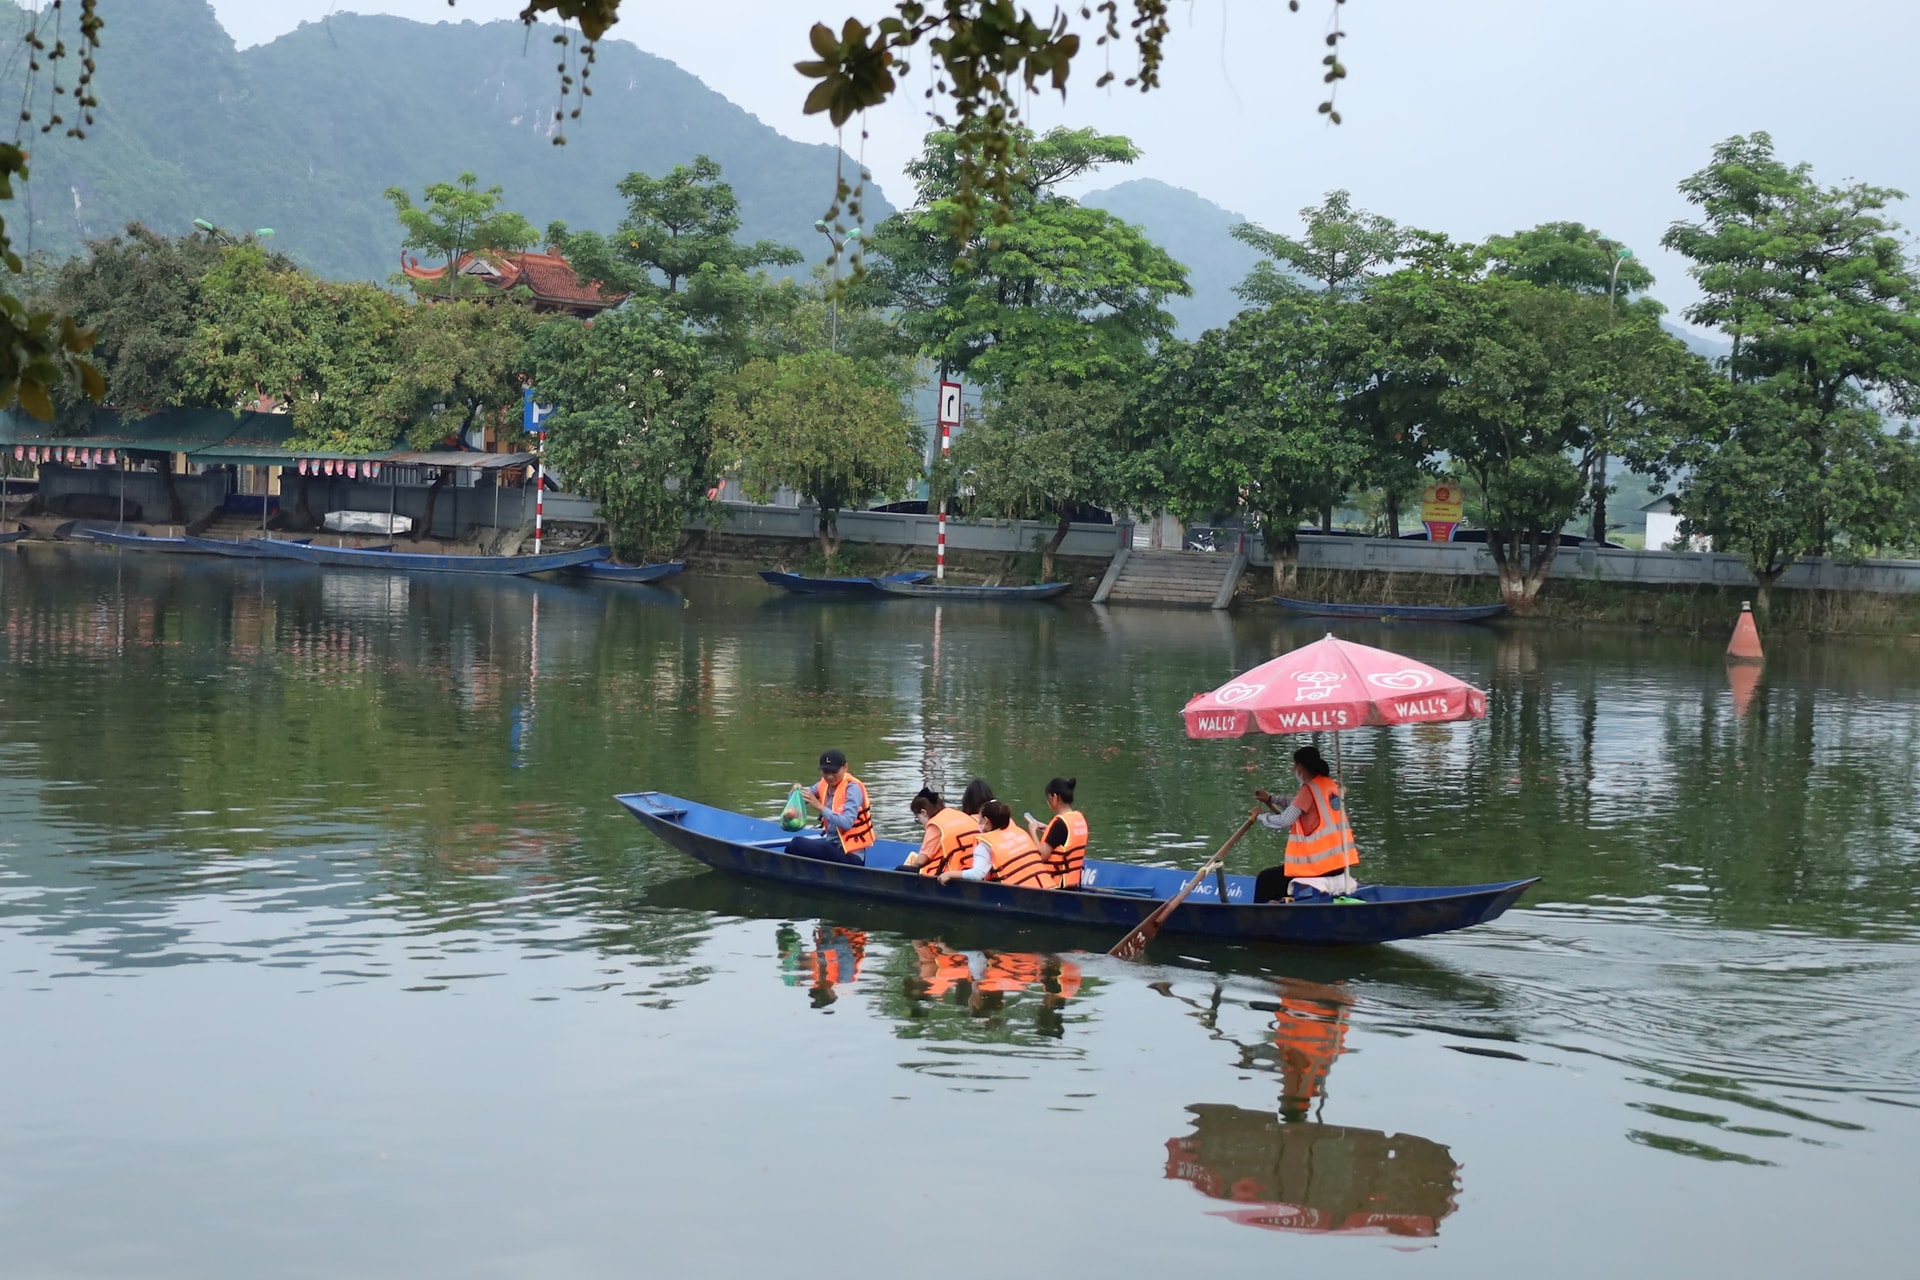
846,816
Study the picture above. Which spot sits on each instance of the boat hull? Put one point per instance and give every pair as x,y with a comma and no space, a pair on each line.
411,562
141,542
1118,896
14,536
1393,612
800,584
601,571
920,591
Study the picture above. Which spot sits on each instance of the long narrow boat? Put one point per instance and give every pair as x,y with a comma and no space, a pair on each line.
602,571
1393,612
139,541
14,535
414,562
243,548
932,591
800,584
1116,895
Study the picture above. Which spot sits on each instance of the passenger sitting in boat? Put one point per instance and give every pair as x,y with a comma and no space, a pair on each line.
846,817
1004,853
1320,846
1064,840
950,833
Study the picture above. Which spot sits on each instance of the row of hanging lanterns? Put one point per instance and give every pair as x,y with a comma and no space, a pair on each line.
63,453
338,467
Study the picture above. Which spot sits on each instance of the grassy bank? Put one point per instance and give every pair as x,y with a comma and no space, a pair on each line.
1568,602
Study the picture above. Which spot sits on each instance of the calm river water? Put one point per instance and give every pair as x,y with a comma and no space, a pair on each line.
324,953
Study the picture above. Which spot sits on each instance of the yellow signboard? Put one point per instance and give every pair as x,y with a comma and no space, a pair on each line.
1443,504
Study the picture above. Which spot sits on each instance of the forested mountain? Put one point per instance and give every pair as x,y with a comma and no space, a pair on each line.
304,134
1195,231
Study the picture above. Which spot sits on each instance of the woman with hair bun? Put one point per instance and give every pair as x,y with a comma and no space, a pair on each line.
1064,840
1320,848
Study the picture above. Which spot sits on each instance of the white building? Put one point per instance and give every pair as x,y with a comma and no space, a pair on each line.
1663,528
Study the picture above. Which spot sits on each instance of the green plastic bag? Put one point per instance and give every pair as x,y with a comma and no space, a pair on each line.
794,816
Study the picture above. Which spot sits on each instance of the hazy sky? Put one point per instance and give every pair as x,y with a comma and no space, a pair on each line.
1466,116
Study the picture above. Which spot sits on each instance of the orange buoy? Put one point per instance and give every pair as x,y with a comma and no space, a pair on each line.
1745,645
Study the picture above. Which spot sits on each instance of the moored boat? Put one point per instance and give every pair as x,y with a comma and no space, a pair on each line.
416,562
1115,896
1393,612
940,591
14,535
800,584
241,548
605,571
139,541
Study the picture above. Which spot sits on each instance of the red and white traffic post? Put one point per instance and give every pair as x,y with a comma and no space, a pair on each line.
949,415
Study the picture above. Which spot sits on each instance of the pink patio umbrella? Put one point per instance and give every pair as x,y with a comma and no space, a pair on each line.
1332,685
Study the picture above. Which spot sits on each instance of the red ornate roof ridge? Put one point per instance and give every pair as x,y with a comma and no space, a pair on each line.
548,276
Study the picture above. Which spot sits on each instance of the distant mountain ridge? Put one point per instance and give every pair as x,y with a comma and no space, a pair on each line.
1197,232
303,134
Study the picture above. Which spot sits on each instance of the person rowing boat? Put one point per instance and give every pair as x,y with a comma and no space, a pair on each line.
1320,848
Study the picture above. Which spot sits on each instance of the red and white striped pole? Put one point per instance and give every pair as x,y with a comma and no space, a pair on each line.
539,490
949,415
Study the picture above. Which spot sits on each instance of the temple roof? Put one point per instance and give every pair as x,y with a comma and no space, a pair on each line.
548,276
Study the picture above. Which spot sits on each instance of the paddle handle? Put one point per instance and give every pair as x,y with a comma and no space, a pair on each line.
1136,941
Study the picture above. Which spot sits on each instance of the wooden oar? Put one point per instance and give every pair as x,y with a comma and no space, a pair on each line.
1130,947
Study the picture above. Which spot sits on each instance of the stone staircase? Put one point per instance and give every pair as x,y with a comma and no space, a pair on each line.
1202,579
228,527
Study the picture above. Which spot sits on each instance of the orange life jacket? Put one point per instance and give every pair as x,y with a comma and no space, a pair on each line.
859,837
1010,971
1017,860
1321,842
958,832
942,970
1068,863
1310,1034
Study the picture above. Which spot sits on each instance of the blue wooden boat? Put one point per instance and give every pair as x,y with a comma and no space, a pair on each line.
1116,896
414,562
139,541
14,535
1393,612
933,591
602,571
802,585
239,548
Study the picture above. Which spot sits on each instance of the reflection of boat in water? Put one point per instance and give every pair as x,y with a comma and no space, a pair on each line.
1315,1177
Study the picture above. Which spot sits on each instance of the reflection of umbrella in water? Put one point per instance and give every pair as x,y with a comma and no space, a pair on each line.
1315,1177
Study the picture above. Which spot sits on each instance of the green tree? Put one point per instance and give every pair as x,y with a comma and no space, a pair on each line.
1057,289
1823,306
629,427
459,364
1513,379
1316,279
456,218
1754,487
1339,249
1246,418
677,244
1043,448
140,292
1569,255
327,351
819,424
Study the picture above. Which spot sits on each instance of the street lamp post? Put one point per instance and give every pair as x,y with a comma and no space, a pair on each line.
839,244
1620,254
